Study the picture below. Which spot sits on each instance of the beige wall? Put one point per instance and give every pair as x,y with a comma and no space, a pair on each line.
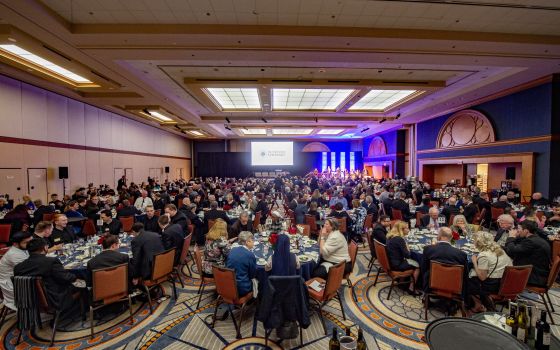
31,113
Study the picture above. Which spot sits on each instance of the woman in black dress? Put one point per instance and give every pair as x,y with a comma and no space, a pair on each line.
399,255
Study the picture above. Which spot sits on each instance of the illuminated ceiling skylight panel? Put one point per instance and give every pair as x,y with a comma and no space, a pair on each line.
330,131
319,99
196,133
253,131
236,98
46,64
381,99
292,131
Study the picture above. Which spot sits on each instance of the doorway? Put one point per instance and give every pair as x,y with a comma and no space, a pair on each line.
118,173
155,173
128,174
37,184
11,183
178,173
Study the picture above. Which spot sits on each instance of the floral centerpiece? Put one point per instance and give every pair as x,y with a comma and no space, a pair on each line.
292,230
272,239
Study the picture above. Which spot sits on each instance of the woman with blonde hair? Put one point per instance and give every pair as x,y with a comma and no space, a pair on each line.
216,247
488,268
399,255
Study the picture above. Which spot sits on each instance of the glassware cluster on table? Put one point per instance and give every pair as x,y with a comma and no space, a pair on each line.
417,239
74,255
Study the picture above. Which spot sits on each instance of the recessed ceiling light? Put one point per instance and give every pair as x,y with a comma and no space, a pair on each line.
196,133
380,99
235,98
309,99
330,131
253,131
158,115
290,131
31,60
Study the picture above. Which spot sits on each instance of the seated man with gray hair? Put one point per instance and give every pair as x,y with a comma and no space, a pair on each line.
243,261
505,224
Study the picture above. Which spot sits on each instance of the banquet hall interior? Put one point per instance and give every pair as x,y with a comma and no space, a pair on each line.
279,174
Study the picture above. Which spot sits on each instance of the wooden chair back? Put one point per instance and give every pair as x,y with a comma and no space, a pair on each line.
397,214
5,230
496,212
198,259
89,228
211,223
381,254
554,270
48,217
257,220
334,280
127,222
163,264
368,222
226,284
306,229
514,281
341,225
353,252
110,284
446,280
311,220
186,247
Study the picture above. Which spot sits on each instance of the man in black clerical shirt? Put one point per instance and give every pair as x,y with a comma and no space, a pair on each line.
113,226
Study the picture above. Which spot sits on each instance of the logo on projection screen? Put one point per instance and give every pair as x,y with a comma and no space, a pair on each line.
272,153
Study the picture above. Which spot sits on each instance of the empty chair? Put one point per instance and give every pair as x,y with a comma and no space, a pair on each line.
312,222
5,230
514,281
397,214
305,229
127,222
89,228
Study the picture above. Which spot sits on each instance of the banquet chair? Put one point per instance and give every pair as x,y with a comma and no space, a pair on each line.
371,263
353,252
109,286
514,281
397,214
419,216
543,291
48,217
434,204
257,220
203,277
368,222
395,276
157,213
190,229
211,223
496,212
162,271
226,287
329,291
479,217
291,215
342,225
184,260
306,229
311,220
3,252
451,218
89,228
127,222
5,230
446,281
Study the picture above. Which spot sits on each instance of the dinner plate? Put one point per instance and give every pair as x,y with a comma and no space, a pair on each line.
261,262
312,241
295,251
304,258
307,245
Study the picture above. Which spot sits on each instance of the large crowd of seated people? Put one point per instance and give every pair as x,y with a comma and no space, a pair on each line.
164,214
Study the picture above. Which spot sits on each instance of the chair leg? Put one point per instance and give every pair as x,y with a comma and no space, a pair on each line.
426,306
300,334
462,306
321,317
238,334
149,299
174,287
3,314
351,286
341,307
130,308
547,309
218,303
200,291
19,336
377,277
91,320
240,319
391,289
550,301
179,277
54,327
188,268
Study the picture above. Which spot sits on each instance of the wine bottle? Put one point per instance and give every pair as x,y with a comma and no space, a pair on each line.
522,324
511,321
543,333
334,344
361,341
533,318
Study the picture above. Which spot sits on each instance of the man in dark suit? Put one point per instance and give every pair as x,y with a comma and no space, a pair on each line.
41,209
433,220
57,280
214,213
400,204
262,207
113,226
450,208
537,200
425,206
109,257
172,236
469,209
442,252
177,217
121,183
144,246
388,204
525,247
502,203
150,220
127,210
370,206
381,228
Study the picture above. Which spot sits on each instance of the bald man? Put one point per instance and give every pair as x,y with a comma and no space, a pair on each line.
442,251
502,203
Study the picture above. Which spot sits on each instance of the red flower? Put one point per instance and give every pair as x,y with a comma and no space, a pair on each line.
273,238
100,240
292,230
456,235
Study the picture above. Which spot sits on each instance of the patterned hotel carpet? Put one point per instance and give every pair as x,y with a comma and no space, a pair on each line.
396,323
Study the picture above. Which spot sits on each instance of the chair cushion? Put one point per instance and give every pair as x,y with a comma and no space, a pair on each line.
399,274
537,289
312,292
245,298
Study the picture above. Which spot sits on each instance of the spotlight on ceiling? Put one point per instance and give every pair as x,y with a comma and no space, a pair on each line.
398,116
382,120
227,120
264,120
227,127
364,130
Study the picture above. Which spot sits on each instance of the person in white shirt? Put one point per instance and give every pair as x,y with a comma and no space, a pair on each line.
333,248
14,256
142,202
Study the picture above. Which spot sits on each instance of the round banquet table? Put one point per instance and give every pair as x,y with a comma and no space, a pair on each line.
75,256
418,239
308,252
